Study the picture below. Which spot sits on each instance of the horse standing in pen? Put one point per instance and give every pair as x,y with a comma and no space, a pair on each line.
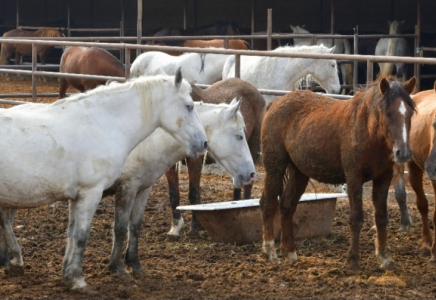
393,47
76,147
252,109
88,61
281,73
26,49
422,143
306,135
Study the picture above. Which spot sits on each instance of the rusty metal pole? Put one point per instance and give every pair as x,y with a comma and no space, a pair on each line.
332,17
355,63
34,60
139,27
185,14
68,19
237,66
369,71
269,30
253,21
127,64
18,14
417,68
226,43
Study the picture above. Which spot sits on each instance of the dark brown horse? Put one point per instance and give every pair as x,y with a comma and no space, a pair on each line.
306,135
26,49
422,143
252,109
89,61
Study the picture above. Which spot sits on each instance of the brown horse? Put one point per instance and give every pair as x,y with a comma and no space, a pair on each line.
252,109
305,135
422,143
89,61
216,43
26,49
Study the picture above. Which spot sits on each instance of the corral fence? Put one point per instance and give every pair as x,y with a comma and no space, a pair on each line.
127,48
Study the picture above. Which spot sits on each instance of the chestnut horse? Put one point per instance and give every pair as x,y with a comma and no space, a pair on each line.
422,143
89,61
26,49
305,135
216,43
252,109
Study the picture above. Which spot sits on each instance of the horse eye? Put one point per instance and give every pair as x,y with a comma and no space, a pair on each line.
239,137
190,107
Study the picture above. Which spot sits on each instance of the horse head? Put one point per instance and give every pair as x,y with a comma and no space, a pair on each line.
399,108
395,26
325,71
179,118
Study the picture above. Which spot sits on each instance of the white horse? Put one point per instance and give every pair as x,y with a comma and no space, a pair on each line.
197,67
342,46
281,73
153,157
75,148
393,47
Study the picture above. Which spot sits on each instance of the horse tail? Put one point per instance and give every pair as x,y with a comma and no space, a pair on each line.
387,68
227,66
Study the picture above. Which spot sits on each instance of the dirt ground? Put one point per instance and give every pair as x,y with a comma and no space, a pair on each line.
202,269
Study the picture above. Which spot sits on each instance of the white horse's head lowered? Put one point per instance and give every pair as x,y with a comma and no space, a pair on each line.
225,130
179,107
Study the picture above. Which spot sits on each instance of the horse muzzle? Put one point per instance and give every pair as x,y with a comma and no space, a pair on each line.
402,155
241,180
198,149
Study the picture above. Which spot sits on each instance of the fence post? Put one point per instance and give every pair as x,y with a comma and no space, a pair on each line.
369,71
237,66
127,62
34,60
269,30
355,63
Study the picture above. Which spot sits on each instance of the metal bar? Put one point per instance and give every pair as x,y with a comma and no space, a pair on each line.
74,75
355,64
30,95
34,58
18,13
369,71
185,14
139,27
428,49
238,66
417,45
253,20
353,57
332,17
39,66
127,60
96,29
269,30
226,43
69,19
12,102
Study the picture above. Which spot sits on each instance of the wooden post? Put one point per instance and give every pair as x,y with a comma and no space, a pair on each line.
237,66
34,60
269,30
139,27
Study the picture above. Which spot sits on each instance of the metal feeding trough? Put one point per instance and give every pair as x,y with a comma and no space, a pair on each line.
240,222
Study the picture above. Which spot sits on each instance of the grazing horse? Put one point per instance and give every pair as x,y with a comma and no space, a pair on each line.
422,143
216,43
305,135
76,147
151,159
281,73
197,67
342,46
88,61
252,109
393,47
26,49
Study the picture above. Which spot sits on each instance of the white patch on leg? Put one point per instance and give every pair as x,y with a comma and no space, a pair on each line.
17,261
176,227
292,256
269,249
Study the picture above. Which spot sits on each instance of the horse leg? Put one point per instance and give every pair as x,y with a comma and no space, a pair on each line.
137,213
433,247
354,190
17,58
273,182
295,187
82,210
415,178
4,250
14,264
63,86
401,197
124,199
173,186
194,171
247,191
237,194
344,76
380,197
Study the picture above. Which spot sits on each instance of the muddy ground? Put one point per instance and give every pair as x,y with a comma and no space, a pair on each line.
202,269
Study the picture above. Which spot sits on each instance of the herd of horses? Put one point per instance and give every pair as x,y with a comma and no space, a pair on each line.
120,138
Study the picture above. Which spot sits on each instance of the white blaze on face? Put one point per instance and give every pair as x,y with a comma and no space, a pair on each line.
403,112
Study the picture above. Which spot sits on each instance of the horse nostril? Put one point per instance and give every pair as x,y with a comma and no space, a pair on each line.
397,153
206,145
252,175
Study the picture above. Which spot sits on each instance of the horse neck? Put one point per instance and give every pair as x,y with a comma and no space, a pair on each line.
301,67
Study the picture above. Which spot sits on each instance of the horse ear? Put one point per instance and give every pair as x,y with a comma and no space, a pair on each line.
384,85
178,78
234,106
332,49
292,27
410,85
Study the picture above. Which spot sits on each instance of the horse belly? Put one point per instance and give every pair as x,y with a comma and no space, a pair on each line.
318,168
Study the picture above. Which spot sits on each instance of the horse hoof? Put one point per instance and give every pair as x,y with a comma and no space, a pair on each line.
14,270
424,252
405,227
139,273
193,234
389,264
352,266
173,238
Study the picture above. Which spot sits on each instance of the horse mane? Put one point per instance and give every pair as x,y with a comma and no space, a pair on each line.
48,32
